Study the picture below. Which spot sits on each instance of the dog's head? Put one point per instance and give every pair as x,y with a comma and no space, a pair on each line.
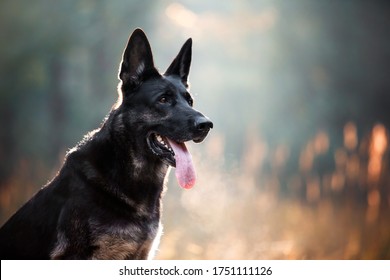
158,107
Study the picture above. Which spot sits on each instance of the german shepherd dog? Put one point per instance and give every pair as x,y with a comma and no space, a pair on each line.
105,201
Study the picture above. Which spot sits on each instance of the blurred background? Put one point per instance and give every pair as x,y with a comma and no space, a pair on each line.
297,165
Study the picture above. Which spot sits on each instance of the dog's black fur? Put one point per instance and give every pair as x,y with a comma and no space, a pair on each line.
105,201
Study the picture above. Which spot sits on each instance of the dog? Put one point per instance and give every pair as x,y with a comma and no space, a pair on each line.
105,202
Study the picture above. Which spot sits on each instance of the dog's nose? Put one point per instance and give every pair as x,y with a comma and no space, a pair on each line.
203,124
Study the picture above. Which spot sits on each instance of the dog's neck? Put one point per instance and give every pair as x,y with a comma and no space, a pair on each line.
135,178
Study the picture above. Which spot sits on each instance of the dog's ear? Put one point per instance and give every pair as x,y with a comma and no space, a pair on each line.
180,66
137,61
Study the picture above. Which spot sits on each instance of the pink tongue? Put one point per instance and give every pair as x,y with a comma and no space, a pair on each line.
185,171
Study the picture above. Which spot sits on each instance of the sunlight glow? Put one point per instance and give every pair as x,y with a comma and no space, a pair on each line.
321,143
350,136
373,198
313,190
181,15
377,149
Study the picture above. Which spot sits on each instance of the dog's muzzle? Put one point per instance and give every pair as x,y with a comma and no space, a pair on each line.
173,151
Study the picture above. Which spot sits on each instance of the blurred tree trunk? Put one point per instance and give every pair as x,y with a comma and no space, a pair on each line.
57,105
99,59
7,147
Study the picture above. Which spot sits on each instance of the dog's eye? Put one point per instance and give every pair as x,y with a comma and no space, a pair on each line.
163,99
191,102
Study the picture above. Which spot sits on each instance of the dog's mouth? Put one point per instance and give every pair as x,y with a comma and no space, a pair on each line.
176,155
161,148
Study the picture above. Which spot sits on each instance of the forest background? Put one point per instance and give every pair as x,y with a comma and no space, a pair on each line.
297,165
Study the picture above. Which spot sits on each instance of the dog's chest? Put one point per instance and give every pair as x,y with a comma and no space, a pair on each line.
131,241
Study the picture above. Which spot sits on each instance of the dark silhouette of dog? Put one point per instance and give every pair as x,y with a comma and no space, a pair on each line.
105,202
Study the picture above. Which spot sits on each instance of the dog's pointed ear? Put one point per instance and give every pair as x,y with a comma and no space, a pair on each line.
180,66
137,60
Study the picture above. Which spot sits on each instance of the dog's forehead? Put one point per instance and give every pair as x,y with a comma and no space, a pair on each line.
174,81
155,87
163,84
